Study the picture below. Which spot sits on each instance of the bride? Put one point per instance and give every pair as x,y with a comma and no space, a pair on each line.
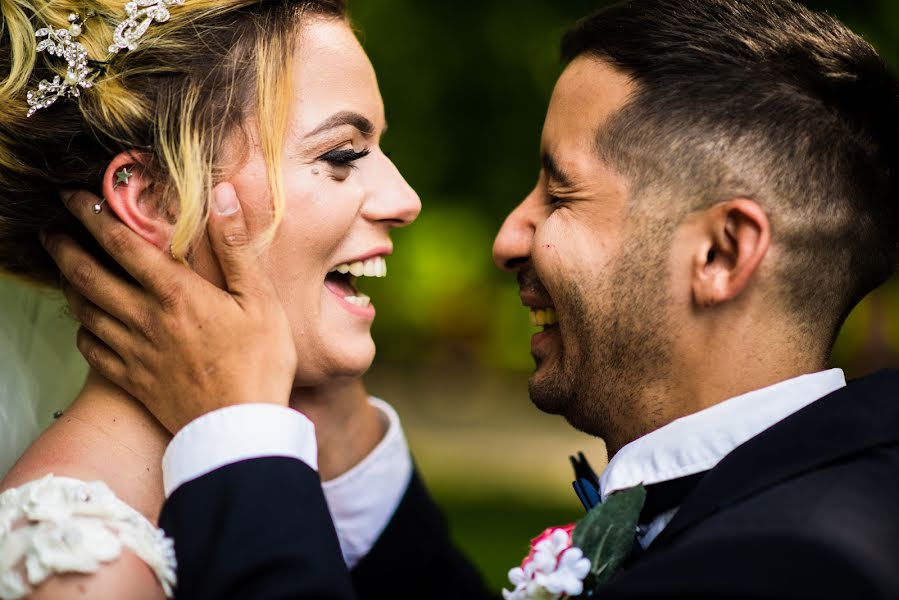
150,106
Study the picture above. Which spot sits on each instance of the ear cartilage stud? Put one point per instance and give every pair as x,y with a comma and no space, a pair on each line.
122,177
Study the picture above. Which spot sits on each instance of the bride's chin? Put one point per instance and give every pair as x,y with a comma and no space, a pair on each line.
347,363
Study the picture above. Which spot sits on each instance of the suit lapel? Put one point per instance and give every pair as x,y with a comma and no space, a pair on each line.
863,415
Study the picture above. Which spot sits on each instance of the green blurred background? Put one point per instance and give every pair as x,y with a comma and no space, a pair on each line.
466,85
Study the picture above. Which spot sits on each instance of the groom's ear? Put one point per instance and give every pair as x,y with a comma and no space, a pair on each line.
129,192
735,237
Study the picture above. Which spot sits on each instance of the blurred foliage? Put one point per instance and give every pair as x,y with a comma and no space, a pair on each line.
466,85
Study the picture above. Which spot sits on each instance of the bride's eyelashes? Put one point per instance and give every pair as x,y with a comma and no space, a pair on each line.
344,158
342,161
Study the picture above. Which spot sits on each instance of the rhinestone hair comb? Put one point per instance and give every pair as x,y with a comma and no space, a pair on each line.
80,73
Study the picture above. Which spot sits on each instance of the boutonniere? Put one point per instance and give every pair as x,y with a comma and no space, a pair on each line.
576,560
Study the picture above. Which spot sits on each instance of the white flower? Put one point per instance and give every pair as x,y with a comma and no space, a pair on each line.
555,569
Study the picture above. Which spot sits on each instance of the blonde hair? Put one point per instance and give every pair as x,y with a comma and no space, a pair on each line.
191,83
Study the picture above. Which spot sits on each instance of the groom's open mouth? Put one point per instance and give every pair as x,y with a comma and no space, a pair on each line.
342,280
546,318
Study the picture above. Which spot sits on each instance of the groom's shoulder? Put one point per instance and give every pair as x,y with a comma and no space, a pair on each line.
848,503
831,470
808,506
829,531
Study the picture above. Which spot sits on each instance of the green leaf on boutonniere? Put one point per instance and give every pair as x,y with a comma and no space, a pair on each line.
606,535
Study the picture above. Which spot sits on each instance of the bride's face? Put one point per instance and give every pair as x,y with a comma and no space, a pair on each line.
343,197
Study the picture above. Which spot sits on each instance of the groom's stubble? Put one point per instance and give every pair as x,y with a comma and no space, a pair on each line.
616,343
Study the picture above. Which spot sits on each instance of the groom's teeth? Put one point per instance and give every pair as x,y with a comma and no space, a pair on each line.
361,300
543,317
373,267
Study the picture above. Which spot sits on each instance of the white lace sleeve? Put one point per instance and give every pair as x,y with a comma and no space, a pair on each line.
58,525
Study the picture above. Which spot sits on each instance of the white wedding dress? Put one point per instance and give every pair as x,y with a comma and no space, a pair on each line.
59,525
55,525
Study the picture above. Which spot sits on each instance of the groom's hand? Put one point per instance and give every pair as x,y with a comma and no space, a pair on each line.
176,342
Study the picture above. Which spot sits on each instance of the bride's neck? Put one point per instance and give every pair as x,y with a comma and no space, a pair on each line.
104,435
106,408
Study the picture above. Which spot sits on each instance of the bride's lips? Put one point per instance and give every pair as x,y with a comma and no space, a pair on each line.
366,312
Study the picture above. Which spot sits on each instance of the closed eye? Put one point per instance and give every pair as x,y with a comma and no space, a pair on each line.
554,200
344,158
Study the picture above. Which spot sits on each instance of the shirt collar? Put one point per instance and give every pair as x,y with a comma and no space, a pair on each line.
698,442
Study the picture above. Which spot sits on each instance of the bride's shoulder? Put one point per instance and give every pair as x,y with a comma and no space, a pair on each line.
64,537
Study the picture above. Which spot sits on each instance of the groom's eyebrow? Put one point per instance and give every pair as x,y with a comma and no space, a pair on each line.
554,172
366,127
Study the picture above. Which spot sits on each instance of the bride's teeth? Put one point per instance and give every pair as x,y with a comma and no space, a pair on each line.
361,301
373,267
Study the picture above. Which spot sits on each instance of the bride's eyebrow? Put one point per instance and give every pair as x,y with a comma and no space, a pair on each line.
365,127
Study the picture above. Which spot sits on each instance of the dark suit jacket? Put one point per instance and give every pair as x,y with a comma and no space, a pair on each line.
809,508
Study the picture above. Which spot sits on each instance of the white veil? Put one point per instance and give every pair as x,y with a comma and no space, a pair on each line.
40,368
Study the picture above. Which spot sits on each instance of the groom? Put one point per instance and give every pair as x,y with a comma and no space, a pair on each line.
720,186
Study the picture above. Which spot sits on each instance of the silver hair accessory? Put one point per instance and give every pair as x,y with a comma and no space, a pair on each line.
141,14
80,73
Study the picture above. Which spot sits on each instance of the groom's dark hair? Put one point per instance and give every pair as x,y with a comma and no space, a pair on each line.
768,100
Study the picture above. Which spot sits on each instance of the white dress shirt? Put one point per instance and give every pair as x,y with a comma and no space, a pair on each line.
362,501
698,442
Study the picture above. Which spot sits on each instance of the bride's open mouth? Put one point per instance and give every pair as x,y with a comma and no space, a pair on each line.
343,278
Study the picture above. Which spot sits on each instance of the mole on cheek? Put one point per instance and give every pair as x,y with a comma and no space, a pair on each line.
316,172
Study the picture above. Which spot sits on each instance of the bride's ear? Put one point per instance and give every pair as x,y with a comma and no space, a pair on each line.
128,190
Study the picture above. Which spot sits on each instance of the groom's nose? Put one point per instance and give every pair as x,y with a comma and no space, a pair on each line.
512,247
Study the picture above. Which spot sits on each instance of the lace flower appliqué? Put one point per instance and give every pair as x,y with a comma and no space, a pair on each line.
58,525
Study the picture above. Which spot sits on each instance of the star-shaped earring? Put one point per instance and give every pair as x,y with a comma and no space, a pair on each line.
122,177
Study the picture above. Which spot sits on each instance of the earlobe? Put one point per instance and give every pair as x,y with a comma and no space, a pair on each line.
126,192
736,239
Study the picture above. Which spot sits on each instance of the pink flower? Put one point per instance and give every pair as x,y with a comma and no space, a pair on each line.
553,569
546,535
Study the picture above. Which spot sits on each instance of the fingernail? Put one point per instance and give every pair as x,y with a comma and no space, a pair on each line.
66,195
226,203
43,236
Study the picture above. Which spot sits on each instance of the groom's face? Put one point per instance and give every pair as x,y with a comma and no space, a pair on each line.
596,261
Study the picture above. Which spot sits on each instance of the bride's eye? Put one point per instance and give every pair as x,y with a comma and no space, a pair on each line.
344,158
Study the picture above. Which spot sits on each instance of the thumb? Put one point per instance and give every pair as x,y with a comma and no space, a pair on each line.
230,240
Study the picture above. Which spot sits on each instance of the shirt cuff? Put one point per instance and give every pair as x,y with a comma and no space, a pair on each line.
363,500
235,434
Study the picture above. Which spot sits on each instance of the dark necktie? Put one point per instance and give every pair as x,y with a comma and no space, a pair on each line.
586,483
660,497
665,495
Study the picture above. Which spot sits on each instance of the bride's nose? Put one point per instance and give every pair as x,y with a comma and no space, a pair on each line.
392,200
